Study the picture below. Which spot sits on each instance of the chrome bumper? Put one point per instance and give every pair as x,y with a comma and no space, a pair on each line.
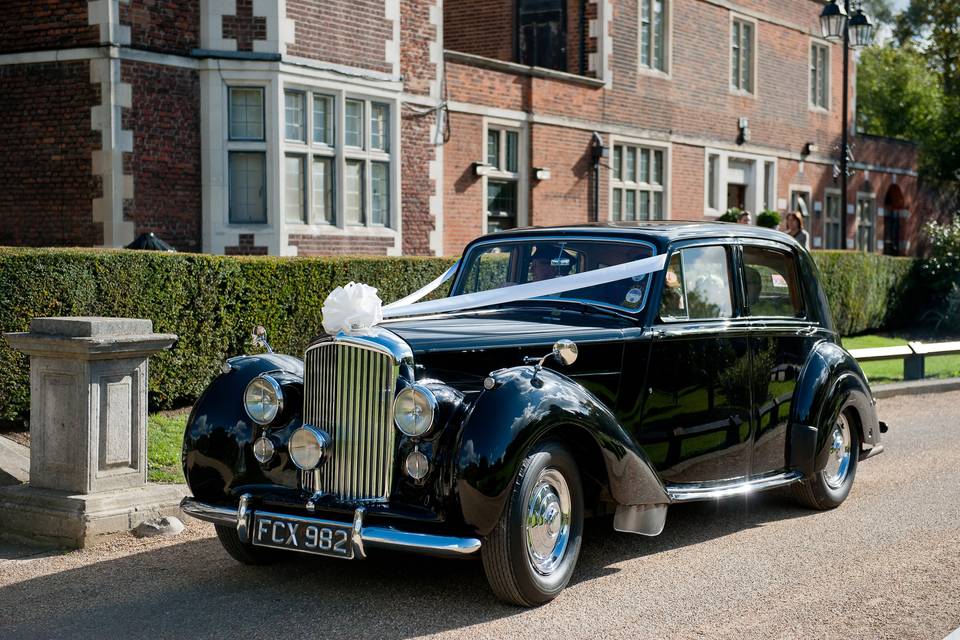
363,536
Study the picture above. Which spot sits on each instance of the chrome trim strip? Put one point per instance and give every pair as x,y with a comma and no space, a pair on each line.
714,490
379,537
209,512
243,518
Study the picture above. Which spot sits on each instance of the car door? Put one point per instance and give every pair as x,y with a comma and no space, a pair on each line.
695,421
781,336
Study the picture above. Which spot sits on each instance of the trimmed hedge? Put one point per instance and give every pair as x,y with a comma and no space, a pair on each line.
868,291
212,302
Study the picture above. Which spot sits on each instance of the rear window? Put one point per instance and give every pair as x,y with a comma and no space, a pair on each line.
770,283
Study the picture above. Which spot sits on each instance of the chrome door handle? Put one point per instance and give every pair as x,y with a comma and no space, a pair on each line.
807,332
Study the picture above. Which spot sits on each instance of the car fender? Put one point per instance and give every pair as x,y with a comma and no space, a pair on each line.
217,456
831,379
522,409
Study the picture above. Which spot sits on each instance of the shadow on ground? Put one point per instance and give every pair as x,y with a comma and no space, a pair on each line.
193,589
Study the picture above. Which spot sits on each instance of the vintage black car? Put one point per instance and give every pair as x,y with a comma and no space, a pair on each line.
496,431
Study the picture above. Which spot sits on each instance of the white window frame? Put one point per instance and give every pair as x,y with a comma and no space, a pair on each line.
754,67
638,187
827,220
811,98
872,246
340,154
666,71
520,176
755,193
249,145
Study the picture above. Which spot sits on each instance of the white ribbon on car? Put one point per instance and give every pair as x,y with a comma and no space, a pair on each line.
357,306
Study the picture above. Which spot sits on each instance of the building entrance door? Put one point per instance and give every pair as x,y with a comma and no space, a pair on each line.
737,196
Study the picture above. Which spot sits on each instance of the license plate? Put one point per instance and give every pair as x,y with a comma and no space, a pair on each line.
303,534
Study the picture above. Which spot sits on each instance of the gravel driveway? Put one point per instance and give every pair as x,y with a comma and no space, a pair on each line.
886,564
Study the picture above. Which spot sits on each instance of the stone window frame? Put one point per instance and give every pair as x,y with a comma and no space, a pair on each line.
247,145
759,162
639,187
753,66
520,176
814,101
828,220
871,225
666,71
340,154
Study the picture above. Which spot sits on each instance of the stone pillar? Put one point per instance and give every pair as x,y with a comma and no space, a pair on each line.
88,429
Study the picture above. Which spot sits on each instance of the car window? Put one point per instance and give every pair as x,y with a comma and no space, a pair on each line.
504,264
770,283
697,285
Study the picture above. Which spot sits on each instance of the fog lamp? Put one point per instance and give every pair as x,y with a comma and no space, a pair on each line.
263,449
263,399
414,410
417,465
307,446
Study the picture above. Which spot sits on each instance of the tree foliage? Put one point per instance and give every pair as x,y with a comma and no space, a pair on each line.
897,95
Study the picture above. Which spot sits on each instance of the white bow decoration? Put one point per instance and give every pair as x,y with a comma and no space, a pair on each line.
357,307
353,307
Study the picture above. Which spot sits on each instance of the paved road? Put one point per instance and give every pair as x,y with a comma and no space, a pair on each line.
884,565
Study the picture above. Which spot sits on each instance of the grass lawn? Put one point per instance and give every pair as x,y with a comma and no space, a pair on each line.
892,370
164,443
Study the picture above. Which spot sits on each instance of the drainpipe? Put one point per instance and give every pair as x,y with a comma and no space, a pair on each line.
583,37
597,151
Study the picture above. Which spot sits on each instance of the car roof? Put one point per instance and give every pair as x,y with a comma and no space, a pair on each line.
662,232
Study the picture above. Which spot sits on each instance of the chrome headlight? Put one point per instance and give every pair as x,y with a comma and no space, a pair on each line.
414,410
263,399
307,446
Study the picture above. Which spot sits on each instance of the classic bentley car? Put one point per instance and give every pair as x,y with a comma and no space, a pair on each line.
495,431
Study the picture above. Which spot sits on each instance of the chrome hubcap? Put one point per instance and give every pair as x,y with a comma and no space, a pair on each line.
838,464
547,529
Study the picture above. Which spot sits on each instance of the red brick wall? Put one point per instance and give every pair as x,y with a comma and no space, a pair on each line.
347,32
165,163
340,245
687,188
481,27
29,25
463,198
169,26
416,36
45,159
418,152
245,247
244,27
567,197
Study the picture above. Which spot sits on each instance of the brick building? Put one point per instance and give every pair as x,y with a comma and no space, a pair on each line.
298,127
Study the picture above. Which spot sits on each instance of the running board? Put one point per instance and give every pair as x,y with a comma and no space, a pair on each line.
695,491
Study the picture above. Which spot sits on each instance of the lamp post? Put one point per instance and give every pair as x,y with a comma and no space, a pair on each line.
837,23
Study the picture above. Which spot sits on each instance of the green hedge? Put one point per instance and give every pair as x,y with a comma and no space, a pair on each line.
212,302
869,291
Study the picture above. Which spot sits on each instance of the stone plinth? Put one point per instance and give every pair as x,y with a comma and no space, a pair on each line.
88,426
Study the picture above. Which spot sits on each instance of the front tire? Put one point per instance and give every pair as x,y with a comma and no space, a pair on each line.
828,488
244,552
531,554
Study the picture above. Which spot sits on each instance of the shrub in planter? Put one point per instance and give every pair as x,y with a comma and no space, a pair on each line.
769,219
731,215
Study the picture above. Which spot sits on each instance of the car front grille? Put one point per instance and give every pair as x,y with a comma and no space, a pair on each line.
348,392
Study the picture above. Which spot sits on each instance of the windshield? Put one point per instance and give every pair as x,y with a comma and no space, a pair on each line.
494,265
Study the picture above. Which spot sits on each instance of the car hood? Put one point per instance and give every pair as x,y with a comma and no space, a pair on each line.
504,328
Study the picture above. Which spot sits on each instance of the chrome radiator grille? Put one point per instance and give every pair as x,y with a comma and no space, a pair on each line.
348,392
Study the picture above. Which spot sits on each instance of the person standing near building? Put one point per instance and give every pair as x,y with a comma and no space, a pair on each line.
795,228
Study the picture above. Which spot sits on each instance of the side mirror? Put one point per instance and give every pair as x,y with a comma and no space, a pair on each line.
565,351
260,338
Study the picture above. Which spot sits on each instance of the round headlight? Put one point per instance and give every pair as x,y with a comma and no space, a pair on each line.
263,449
307,446
417,465
413,410
263,399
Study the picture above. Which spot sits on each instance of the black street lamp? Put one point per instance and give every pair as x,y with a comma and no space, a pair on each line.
855,30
